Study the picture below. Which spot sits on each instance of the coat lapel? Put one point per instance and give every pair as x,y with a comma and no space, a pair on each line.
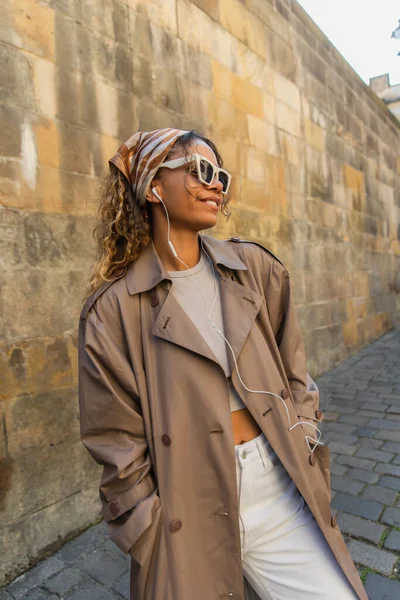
174,325
240,305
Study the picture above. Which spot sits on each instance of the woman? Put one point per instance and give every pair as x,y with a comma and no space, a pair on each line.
193,393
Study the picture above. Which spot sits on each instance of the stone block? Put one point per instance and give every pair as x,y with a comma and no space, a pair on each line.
344,484
374,558
357,506
341,448
339,428
235,18
167,89
255,165
47,142
314,135
194,66
291,147
64,581
380,494
254,195
377,455
69,468
365,432
26,541
281,56
91,591
381,588
221,115
198,30
388,435
66,41
103,566
47,196
358,527
247,98
261,134
253,67
209,7
286,91
34,24
163,13
78,192
53,301
392,542
196,101
92,538
28,581
122,586
107,107
288,119
16,69
10,140
388,469
391,482
75,148
391,447
391,516
44,76
150,116
26,428
383,424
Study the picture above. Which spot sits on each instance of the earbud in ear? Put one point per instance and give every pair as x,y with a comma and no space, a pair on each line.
154,191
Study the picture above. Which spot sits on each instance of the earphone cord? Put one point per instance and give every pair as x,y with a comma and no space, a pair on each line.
308,438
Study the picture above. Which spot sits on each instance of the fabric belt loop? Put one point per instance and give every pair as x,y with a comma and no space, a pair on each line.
261,451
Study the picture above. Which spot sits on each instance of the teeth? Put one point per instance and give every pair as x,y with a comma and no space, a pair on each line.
212,202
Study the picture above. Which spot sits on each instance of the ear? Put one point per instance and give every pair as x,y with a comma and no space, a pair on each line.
150,196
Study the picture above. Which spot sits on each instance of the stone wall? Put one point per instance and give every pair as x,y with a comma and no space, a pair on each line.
315,157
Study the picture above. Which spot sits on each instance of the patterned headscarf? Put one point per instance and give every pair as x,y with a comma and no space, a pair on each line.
140,157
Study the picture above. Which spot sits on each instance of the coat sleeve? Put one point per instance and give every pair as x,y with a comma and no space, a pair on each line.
112,429
289,338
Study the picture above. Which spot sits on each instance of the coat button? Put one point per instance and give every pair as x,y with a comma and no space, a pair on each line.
175,526
318,414
154,299
166,439
333,521
285,393
113,508
312,459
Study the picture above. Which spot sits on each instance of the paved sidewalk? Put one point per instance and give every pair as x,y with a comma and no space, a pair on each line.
361,402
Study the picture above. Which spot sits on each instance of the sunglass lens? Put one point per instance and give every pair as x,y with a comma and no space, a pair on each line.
206,171
224,180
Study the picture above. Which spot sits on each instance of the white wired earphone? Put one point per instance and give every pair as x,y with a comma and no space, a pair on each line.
307,437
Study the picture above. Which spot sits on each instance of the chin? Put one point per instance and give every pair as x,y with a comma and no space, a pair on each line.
207,223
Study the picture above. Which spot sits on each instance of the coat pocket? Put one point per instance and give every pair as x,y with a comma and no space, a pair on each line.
144,544
149,568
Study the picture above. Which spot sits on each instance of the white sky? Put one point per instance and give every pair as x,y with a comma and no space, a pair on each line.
361,30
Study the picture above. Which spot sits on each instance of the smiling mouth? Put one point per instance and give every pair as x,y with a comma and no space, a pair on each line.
211,202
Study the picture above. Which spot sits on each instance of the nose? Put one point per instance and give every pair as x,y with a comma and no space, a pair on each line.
215,185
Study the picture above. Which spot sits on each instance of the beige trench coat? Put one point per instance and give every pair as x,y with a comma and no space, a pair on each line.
155,412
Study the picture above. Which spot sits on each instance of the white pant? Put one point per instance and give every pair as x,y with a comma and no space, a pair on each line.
284,553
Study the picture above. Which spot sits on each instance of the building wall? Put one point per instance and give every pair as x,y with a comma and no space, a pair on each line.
315,157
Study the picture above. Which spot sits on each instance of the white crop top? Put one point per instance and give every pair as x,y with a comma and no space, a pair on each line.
185,291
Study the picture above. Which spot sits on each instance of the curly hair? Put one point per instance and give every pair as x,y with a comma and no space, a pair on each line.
123,227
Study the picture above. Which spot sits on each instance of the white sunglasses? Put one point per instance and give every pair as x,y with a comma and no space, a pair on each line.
205,170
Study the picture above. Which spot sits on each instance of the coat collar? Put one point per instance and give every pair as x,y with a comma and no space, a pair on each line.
148,270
